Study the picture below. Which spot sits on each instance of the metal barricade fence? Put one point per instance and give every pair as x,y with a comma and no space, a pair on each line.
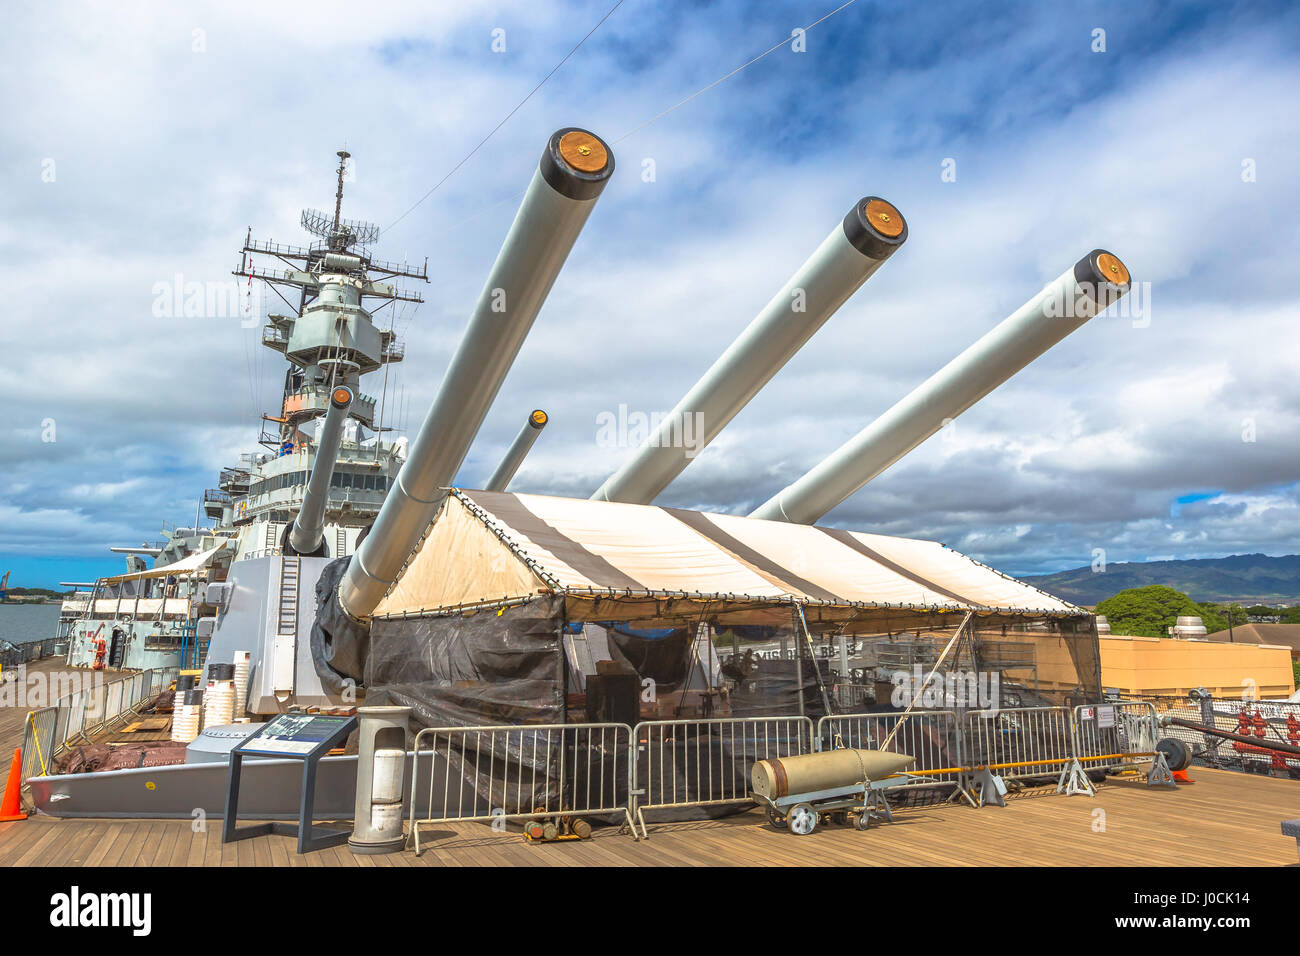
94,706
1019,741
164,677
1112,735
931,736
114,693
76,715
520,772
39,741
64,713
49,730
693,763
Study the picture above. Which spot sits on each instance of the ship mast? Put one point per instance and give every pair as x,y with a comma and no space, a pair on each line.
332,288
343,155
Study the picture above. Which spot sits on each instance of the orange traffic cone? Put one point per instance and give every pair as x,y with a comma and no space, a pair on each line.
1180,776
11,807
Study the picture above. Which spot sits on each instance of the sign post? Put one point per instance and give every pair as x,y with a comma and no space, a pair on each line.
305,737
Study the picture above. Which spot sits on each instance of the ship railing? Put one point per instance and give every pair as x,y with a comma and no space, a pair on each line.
850,697
321,395
697,763
277,249
1006,655
931,736
400,268
27,653
88,710
548,772
1275,720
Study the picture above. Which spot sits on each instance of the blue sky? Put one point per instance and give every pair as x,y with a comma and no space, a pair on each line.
172,130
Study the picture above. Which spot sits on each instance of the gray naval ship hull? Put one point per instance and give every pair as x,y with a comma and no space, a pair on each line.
269,790
268,612
139,656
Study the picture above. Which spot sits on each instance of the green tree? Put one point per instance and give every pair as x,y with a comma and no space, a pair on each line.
1151,610
1215,616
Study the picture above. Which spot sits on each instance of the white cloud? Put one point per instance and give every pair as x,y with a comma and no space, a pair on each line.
165,156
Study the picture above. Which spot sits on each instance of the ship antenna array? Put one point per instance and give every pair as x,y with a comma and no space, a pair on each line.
343,155
339,233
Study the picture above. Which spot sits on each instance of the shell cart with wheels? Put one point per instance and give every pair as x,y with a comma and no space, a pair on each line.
799,792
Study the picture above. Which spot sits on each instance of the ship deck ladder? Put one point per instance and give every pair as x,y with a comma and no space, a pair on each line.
289,596
272,537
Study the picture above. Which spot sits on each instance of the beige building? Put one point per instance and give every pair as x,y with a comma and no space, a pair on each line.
1137,666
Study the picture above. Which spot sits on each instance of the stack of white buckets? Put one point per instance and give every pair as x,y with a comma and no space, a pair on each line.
241,685
221,702
219,696
186,707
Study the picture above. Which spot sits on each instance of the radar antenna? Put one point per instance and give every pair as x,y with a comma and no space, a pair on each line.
339,233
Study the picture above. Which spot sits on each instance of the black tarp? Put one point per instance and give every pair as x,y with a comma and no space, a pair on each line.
488,669
478,669
772,689
339,645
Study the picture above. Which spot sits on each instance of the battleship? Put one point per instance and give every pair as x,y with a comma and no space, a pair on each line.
347,568
324,468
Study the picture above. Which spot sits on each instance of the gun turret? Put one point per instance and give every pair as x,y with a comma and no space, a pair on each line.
1063,305
307,536
570,177
519,449
859,245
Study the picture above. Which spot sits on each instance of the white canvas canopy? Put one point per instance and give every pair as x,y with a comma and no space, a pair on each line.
613,561
186,565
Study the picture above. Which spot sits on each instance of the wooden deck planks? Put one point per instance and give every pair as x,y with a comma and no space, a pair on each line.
1225,819
13,716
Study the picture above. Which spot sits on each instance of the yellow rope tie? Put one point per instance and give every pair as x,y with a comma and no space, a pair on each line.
36,738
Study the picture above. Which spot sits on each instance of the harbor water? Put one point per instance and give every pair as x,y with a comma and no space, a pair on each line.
23,623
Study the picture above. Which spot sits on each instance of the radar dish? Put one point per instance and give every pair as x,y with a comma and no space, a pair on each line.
348,232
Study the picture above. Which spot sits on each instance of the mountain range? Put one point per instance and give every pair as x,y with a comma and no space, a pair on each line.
1241,578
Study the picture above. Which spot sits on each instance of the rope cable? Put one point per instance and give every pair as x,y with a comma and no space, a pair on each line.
632,132
724,78
920,690
503,122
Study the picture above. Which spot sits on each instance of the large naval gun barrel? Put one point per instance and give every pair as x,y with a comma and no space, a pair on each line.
308,531
518,450
808,773
868,235
1097,280
573,171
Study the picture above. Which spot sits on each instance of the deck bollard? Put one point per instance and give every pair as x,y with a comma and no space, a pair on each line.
381,765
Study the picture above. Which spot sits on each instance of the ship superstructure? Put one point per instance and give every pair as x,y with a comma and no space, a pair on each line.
331,335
